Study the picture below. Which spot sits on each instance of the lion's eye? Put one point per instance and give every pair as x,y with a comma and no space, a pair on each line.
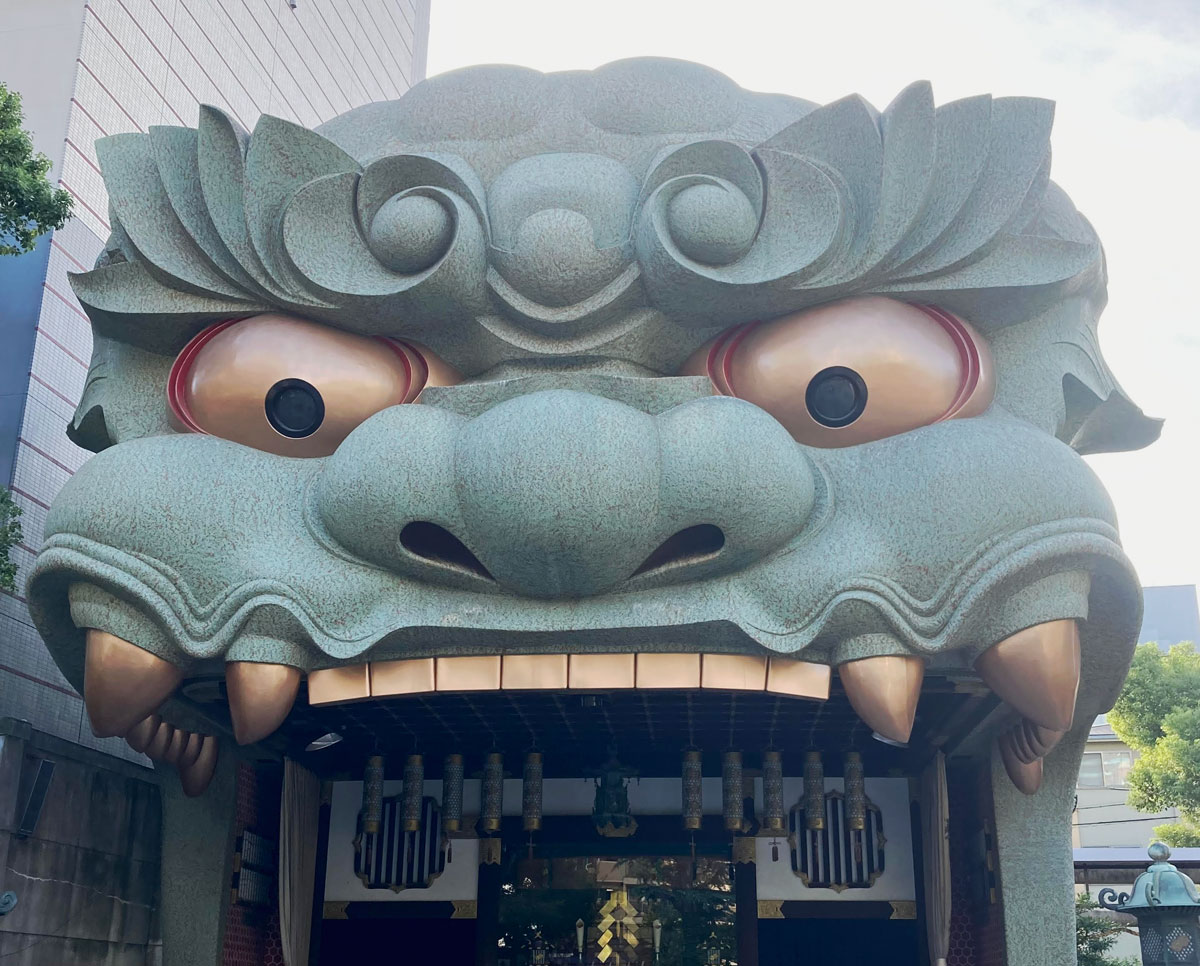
854,371
293,387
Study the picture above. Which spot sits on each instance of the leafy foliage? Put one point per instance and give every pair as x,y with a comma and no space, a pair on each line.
1096,935
1158,714
10,536
29,205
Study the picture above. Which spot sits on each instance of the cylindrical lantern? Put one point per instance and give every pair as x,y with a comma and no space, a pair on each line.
814,791
531,792
373,795
693,793
452,793
492,806
414,789
856,793
772,817
731,790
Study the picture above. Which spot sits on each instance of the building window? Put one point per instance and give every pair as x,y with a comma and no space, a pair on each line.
1116,768
1109,769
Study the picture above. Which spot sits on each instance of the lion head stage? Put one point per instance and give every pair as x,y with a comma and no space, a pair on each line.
628,361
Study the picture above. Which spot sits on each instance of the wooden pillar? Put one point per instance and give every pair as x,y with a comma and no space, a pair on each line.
487,907
745,895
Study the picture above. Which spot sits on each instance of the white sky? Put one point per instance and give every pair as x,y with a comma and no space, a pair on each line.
1126,76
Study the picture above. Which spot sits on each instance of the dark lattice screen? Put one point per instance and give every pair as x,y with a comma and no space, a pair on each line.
837,857
395,859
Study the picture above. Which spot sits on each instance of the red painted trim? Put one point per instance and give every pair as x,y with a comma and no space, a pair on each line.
112,96
30,497
55,243
46,456
351,34
36,680
270,72
346,58
67,399
75,194
217,50
73,306
42,332
177,378
88,161
176,394
395,346
305,61
968,354
84,111
88,7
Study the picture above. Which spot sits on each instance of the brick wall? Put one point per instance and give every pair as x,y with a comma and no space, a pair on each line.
252,934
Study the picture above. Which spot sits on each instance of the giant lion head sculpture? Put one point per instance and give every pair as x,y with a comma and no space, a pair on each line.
623,361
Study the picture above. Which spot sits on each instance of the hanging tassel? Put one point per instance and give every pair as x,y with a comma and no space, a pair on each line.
531,794
773,817
452,793
814,791
414,790
856,795
731,791
492,808
693,799
373,795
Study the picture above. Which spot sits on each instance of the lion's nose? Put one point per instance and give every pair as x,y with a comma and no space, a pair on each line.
562,494
566,494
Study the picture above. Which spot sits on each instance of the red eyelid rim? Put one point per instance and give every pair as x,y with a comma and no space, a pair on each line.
720,355
177,397
968,354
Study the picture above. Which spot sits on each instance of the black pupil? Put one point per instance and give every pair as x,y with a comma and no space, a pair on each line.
294,408
836,396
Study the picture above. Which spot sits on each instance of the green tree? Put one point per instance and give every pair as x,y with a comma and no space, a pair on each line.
1158,715
29,204
10,536
1096,935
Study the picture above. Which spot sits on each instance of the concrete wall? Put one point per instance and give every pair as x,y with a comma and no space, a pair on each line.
38,46
86,879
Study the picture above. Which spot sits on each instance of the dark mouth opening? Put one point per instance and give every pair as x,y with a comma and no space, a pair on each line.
439,546
689,546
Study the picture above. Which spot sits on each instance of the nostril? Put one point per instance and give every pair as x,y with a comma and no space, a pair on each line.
438,545
688,546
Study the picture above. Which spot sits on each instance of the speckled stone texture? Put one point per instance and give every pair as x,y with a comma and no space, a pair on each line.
1037,873
197,864
567,241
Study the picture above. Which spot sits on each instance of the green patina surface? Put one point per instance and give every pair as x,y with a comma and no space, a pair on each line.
566,241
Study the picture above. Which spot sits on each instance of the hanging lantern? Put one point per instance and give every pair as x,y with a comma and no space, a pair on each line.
772,820
693,793
414,790
492,806
373,795
452,793
814,791
856,794
531,792
731,790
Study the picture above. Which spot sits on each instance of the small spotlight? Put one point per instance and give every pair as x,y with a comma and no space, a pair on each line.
325,741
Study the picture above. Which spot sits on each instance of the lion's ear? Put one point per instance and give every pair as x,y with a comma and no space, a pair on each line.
1112,424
